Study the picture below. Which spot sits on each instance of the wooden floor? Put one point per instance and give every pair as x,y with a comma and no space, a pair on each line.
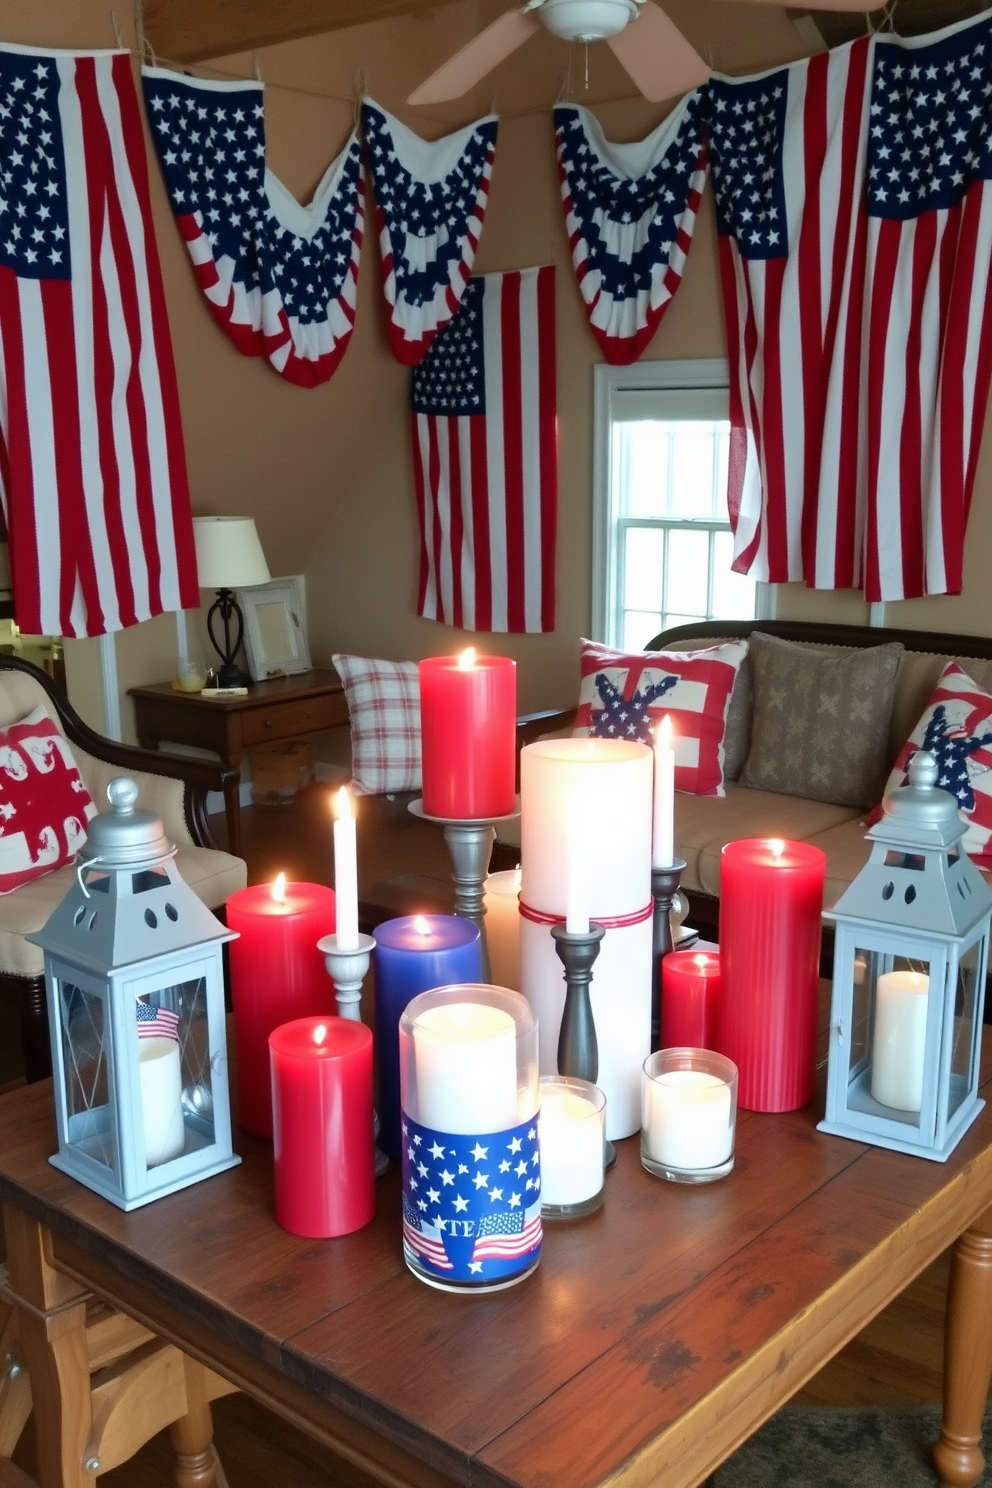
895,1361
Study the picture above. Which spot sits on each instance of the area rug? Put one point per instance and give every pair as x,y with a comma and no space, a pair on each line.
852,1448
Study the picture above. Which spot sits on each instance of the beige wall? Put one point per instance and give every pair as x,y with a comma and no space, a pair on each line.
326,473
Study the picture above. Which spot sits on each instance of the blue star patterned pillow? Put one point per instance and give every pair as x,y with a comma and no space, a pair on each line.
625,696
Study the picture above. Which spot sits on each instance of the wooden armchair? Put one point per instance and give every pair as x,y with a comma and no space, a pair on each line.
173,787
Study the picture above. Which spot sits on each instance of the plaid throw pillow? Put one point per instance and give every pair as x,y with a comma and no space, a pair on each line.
623,697
44,805
384,709
956,727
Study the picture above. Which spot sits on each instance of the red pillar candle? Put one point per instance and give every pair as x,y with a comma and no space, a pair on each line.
771,898
277,973
690,997
468,718
322,1126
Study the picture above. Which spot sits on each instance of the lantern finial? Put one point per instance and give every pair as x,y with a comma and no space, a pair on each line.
122,794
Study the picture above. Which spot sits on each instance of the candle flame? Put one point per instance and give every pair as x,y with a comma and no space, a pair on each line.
420,925
320,1033
343,803
777,847
663,733
279,889
702,959
466,660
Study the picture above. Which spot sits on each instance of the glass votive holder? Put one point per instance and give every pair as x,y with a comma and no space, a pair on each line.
572,1127
191,674
688,1114
469,1099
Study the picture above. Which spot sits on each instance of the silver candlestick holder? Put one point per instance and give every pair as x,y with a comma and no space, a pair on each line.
347,967
578,1048
664,887
470,844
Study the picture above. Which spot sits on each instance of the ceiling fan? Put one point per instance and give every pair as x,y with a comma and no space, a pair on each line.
653,51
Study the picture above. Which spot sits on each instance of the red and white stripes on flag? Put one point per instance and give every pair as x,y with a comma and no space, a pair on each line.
91,452
485,458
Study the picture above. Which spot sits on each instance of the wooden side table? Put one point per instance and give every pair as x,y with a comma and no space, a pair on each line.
272,712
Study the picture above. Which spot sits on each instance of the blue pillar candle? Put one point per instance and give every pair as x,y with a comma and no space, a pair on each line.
414,954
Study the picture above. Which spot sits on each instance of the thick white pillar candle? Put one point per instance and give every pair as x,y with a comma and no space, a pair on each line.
572,1145
687,1119
900,1040
346,873
466,1062
663,815
161,1099
502,924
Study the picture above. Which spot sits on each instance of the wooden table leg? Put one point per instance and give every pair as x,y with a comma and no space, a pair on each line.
958,1454
197,1464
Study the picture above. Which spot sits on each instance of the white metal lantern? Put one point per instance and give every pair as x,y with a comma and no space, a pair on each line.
134,974
910,957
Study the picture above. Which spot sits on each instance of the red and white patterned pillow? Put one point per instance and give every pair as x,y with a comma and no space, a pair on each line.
624,696
956,726
384,709
44,805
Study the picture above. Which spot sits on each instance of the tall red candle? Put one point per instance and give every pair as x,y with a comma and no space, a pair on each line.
322,1126
771,898
468,719
277,973
690,997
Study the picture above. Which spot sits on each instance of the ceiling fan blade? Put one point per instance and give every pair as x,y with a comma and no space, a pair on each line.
657,56
484,52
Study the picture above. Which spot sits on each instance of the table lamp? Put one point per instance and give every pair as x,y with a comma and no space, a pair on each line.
228,556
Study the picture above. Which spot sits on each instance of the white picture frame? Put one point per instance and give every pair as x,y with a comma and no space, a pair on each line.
275,628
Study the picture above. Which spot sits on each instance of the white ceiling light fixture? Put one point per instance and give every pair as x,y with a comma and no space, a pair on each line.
584,20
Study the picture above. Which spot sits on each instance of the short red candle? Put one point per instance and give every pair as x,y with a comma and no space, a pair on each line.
322,1120
690,996
468,719
277,973
771,898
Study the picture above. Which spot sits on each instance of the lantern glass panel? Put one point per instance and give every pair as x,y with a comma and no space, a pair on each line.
862,1010
899,1036
85,1042
187,1001
963,1027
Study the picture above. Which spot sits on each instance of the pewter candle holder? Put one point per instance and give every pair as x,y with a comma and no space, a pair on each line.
347,967
664,886
578,1050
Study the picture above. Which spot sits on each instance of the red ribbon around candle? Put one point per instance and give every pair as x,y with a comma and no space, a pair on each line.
771,898
322,1126
690,999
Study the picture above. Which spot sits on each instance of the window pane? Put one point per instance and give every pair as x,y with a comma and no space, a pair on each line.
688,572
733,594
693,459
639,627
643,460
644,554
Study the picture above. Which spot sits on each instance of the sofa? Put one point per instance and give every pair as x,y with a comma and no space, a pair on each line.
703,824
174,788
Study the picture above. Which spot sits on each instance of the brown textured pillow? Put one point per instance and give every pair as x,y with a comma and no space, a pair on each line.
820,723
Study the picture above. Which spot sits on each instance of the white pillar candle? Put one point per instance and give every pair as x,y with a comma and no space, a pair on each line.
345,873
466,1063
502,922
687,1119
900,1039
161,1099
663,816
572,1144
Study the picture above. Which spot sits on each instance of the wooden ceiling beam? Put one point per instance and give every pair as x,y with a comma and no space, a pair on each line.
193,30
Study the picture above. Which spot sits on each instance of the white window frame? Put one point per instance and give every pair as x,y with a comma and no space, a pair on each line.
682,374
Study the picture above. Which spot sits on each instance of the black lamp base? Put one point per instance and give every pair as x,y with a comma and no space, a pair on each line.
226,608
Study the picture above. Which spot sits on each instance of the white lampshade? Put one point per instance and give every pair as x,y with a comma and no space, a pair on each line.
228,553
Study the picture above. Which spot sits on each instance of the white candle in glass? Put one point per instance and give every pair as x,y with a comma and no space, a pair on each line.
687,1119
572,1146
663,814
466,1063
161,1099
502,922
900,1039
345,873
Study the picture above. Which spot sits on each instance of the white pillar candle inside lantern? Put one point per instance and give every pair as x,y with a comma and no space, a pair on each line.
161,1099
573,1147
604,787
689,1112
502,924
900,1039
466,1059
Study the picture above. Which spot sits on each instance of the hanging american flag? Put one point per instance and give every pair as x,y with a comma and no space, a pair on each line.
788,170
630,211
485,458
929,315
280,277
472,1204
92,465
430,204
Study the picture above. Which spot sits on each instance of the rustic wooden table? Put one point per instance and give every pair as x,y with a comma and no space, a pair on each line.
654,1337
